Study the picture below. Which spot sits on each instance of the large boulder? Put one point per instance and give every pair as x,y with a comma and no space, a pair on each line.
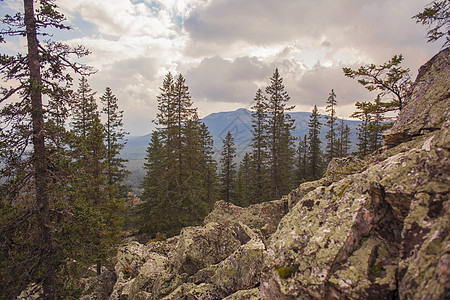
427,107
262,217
382,231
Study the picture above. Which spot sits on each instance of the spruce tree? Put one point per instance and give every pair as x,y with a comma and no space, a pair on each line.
343,142
154,188
115,141
363,113
377,125
84,109
315,162
208,165
228,170
243,182
331,123
302,161
259,156
279,138
184,190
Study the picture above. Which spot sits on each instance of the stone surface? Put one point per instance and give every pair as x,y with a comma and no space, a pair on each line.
264,216
427,108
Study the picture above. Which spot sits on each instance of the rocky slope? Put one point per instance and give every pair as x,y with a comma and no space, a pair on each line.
372,229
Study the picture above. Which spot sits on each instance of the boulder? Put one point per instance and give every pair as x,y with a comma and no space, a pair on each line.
199,247
262,217
427,107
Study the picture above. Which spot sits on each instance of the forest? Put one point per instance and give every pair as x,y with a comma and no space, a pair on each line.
62,193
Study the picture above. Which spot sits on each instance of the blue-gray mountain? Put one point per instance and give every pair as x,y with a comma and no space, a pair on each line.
239,123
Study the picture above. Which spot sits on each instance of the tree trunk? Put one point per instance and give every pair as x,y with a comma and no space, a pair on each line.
39,156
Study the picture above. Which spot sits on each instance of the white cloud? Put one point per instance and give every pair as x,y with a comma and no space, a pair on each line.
229,48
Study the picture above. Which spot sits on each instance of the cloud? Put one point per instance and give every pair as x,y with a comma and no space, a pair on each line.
227,49
220,80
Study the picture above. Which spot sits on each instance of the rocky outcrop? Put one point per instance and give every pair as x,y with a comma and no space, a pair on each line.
371,229
426,109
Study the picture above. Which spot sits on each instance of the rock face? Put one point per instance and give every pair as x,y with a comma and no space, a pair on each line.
427,107
371,229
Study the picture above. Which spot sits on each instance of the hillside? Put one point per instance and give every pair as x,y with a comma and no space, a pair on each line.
376,228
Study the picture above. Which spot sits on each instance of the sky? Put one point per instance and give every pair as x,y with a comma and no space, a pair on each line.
227,49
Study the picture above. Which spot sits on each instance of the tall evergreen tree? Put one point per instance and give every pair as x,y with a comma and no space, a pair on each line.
154,188
363,113
115,141
208,165
184,191
228,170
259,154
30,248
343,142
279,138
302,161
331,123
243,182
84,109
315,162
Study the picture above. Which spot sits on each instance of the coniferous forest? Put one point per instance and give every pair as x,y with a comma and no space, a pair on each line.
63,197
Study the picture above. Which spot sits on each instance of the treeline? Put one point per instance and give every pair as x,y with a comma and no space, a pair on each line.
278,162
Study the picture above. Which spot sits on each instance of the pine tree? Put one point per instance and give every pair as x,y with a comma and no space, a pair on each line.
259,154
343,142
302,161
84,109
279,138
438,14
243,182
184,191
315,163
363,114
153,206
331,149
228,170
389,78
115,141
208,165
30,248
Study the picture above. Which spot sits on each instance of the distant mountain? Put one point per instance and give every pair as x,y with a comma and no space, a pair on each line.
237,122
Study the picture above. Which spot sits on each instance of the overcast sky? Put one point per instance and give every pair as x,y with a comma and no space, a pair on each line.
227,49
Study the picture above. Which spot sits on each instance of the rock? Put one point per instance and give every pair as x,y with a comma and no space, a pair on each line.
252,294
199,247
263,216
339,167
427,107
241,270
